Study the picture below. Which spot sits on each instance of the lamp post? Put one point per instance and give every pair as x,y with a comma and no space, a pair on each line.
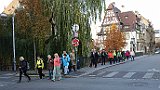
14,51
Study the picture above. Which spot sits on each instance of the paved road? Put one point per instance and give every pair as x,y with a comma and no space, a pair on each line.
141,74
144,68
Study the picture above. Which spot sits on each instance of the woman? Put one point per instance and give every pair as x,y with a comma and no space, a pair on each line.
66,60
57,64
23,69
50,66
73,60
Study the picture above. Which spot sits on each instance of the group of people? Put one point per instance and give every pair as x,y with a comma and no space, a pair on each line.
67,62
111,56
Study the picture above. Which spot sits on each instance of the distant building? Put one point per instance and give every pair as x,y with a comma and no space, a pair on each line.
131,23
10,9
157,37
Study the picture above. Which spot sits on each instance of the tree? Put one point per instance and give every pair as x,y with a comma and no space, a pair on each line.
115,39
69,12
32,29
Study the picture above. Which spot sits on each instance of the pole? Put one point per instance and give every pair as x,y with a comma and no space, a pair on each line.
14,51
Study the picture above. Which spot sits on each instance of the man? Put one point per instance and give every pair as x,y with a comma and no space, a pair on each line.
104,56
94,58
40,66
23,69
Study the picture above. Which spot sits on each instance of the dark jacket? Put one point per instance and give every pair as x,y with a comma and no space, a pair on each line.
94,56
104,55
23,65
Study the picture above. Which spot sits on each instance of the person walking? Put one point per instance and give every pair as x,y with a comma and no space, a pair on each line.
94,58
57,64
65,61
40,66
73,60
23,69
132,54
115,57
110,56
127,54
119,56
103,56
50,63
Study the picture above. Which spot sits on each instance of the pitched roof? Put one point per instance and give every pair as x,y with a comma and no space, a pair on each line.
128,19
11,7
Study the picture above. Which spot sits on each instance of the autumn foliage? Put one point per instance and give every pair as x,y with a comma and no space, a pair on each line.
115,39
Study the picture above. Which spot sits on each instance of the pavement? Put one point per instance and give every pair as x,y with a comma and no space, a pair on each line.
79,73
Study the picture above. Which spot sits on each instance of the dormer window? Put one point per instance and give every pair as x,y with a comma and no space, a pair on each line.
126,17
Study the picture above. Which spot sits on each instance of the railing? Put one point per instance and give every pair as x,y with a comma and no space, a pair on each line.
6,67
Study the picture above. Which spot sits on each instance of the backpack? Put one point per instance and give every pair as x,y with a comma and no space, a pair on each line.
28,67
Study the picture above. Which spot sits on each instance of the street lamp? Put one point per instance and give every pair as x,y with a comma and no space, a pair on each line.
13,34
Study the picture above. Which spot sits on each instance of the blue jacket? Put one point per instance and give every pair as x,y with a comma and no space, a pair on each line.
65,60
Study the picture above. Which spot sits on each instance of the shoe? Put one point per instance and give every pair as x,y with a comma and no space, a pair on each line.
29,80
53,80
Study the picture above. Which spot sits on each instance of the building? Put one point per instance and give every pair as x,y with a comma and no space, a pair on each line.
11,7
157,38
131,23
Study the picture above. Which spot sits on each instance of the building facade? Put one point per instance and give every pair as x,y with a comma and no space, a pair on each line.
133,24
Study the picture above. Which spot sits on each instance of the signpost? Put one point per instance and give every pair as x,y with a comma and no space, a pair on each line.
75,41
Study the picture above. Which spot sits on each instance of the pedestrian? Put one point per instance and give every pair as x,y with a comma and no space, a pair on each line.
132,54
115,57
103,56
40,66
111,57
127,54
73,60
119,56
65,61
23,69
50,63
91,62
57,64
94,58
123,55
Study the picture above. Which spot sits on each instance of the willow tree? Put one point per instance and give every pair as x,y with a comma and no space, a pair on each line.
68,12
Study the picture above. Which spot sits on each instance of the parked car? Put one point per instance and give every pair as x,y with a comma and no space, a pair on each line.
157,52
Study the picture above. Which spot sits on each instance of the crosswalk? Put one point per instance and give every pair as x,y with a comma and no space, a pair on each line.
125,75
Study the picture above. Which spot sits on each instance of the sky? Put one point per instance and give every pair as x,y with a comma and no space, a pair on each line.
147,8
4,3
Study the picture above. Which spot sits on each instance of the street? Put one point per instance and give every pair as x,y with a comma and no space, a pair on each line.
141,74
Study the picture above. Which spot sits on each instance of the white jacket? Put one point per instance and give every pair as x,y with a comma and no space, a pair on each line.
132,53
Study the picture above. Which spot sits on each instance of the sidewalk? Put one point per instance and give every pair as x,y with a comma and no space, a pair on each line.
79,73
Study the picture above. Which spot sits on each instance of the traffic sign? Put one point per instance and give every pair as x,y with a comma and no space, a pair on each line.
75,42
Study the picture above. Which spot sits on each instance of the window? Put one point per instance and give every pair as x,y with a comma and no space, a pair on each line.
126,17
126,27
157,31
127,35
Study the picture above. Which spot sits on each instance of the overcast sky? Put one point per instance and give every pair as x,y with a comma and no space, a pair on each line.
148,8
